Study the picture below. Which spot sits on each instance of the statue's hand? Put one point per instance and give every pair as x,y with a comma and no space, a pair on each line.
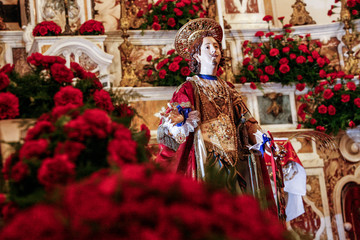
175,116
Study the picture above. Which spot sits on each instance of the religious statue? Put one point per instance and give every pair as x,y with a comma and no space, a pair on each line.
207,125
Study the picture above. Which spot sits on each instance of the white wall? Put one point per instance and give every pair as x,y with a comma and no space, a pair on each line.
317,9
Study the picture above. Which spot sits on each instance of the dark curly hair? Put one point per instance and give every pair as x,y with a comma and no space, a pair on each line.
195,48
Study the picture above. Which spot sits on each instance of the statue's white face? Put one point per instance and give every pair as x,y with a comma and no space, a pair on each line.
210,54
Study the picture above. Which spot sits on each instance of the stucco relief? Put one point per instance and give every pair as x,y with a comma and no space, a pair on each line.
108,12
241,6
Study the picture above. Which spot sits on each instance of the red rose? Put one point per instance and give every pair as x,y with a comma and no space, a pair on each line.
345,98
259,34
103,100
252,85
320,128
331,110
300,59
274,52
57,170
313,121
300,86
270,70
351,86
268,18
68,95
171,22
9,105
337,87
352,124
284,68
328,94
246,61
174,66
357,102
4,81
284,61
162,74
264,78
322,109
185,71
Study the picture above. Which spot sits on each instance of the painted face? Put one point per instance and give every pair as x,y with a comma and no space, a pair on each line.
210,52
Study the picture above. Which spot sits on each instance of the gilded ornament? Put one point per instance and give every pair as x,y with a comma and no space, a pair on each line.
300,16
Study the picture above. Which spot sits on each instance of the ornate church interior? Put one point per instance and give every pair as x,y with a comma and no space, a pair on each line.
295,64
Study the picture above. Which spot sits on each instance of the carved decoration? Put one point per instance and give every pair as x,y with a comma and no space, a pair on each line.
300,16
275,108
349,149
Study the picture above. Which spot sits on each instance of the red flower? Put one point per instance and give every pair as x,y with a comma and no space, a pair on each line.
274,52
330,12
156,26
144,128
259,34
178,59
284,60
300,86
270,70
164,7
68,95
9,105
8,68
103,100
122,151
285,49
149,58
351,86
140,13
19,171
70,148
162,73
185,71
313,121
351,3
149,73
61,73
268,18
320,61
170,52
57,170
243,79
345,98
4,81
257,52
264,78
320,128
250,68
299,77
357,102
262,58
245,43
252,85
246,61
171,22
322,73
41,127
178,12
284,68
33,149
174,66
331,110
352,124
322,109
281,18
269,34
337,87
292,56
328,94
300,59
315,54
91,27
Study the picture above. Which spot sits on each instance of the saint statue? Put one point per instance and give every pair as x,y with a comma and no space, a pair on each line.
207,124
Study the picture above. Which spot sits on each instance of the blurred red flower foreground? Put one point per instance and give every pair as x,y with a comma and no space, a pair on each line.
143,202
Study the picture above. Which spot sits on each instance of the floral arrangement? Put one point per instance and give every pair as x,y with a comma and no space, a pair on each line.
34,93
66,145
47,28
352,5
168,70
170,15
284,58
92,27
333,105
142,202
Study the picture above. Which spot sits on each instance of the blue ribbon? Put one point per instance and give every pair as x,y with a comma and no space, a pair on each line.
184,112
208,77
262,146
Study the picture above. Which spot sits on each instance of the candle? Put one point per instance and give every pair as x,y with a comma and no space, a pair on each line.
221,21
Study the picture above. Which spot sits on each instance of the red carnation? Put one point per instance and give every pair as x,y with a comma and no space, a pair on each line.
292,56
243,79
337,87
322,73
9,105
300,86
162,73
41,127
264,78
250,68
320,128
320,61
313,121
170,52
281,18
185,71
4,81
322,109
257,52
103,100
270,70
283,60
174,66
268,18
262,58
144,128
351,86
259,34
252,85
284,68
345,98
331,110
299,77
19,171
274,52
156,26
149,58
61,73
171,22
70,148
352,124
68,95
300,59
357,102
328,94
246,61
